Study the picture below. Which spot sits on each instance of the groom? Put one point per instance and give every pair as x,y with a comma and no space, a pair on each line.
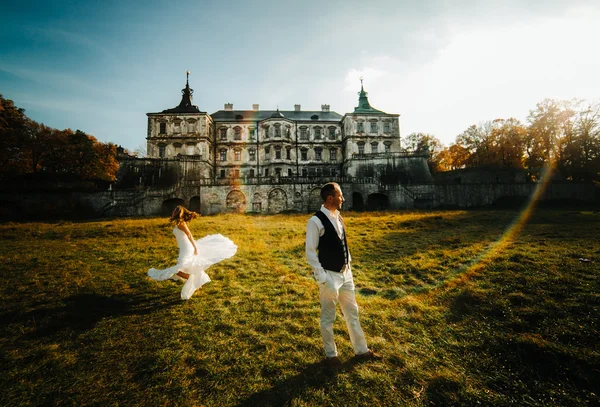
327,253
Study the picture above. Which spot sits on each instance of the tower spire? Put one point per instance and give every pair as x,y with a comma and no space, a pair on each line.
363,101
186,105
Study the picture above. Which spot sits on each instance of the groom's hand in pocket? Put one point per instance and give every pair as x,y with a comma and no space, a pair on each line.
320,276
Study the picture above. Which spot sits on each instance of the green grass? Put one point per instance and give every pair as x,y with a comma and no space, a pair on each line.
459,319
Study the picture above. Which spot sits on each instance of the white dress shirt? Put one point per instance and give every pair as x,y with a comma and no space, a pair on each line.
314,231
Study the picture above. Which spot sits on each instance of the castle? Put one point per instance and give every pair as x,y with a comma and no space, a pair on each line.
269,161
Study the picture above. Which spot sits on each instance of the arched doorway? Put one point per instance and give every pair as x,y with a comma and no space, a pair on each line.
236,201
195,204
378,202
277,201
170,204
357,202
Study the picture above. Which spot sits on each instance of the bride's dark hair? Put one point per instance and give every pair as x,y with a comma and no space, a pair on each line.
181,215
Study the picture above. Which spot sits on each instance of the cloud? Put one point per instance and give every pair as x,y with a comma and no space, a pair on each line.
369,74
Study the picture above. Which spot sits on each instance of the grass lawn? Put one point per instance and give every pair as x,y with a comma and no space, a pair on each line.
464,311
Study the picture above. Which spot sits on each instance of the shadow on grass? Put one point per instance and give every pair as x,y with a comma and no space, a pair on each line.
316,375
80,313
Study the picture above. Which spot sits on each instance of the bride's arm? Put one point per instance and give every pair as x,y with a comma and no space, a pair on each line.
186,230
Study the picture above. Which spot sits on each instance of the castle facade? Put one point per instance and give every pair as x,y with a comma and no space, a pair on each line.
268,160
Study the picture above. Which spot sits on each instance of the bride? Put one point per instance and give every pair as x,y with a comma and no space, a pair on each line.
194,256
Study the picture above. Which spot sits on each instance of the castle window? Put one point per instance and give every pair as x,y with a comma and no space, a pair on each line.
289,172
278,153
386,127
374,146
252,154
332,133
304,172
223,154
163,128
287,132
304,154
266,172
303,133
267,153
162,149
318,154
318,172
277,130
360,128
236,173
223,133
332,154
238,154
238,133
373,127
289,153
222,173
361,147
387,147
252,133
317,133
267,132
252,173
278,172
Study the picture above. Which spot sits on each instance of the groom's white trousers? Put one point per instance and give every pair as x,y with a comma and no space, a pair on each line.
339,287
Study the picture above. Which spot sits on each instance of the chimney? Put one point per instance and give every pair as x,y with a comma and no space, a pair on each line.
228,106
296,108
324,108
255,107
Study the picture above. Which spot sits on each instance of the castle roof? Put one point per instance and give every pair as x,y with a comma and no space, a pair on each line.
186,105
259,115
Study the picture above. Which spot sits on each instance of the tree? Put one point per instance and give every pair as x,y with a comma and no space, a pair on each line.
423,143
580,148
13,130
506,144
456,157
474,144
549,122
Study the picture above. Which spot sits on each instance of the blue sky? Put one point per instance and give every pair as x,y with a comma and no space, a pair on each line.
100,66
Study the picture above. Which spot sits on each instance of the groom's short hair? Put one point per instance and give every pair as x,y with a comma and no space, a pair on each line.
328,190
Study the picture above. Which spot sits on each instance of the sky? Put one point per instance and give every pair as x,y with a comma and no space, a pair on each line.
101,65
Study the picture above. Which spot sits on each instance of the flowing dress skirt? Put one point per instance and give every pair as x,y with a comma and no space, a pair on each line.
211,250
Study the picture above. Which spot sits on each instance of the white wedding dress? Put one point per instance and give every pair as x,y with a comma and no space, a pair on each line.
211,249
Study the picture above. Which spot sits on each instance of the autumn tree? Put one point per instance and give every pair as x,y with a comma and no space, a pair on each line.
506,144
423,143
549,123
474,145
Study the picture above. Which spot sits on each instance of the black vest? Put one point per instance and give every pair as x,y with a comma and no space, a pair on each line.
333,251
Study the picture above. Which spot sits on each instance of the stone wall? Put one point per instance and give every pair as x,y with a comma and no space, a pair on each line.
278,198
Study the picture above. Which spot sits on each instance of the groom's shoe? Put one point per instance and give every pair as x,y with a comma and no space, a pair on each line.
333,362
368,355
